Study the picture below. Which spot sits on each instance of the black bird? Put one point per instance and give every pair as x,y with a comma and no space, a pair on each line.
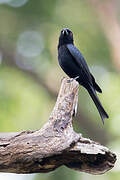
74,65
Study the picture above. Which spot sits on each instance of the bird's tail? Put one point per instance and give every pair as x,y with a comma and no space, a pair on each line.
98,104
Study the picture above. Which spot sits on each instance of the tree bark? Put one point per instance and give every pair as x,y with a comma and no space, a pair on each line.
55,144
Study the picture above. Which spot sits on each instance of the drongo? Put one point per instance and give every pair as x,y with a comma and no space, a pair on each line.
74,65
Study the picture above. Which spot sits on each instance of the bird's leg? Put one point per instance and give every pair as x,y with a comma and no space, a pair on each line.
76,78
72,79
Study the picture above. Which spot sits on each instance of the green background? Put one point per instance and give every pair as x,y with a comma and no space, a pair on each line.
30,76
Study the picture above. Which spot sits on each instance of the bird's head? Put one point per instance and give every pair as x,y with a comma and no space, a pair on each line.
66,37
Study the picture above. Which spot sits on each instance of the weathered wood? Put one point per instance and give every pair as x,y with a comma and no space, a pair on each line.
56,144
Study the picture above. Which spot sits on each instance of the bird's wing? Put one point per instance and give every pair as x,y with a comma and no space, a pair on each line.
78,57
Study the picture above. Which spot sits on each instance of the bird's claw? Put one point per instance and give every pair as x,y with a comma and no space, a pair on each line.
72,79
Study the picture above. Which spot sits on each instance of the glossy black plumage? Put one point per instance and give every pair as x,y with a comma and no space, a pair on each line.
73,64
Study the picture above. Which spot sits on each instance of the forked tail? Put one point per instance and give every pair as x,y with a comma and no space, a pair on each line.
98,104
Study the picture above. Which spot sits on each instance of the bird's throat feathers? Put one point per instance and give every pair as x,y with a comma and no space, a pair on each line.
64,40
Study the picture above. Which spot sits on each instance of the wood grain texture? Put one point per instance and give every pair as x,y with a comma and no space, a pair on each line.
55,144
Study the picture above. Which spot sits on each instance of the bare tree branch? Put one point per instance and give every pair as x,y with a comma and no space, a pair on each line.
56,144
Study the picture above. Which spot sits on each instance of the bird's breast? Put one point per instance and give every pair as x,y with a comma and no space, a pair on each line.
64,57
67,62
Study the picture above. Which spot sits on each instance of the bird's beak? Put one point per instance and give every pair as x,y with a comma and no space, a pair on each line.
64,32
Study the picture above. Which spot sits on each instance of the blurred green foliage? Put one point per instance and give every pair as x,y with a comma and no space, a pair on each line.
28,85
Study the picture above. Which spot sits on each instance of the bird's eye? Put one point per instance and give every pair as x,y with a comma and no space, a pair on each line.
71,34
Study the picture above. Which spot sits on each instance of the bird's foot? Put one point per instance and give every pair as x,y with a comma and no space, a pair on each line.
72,79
